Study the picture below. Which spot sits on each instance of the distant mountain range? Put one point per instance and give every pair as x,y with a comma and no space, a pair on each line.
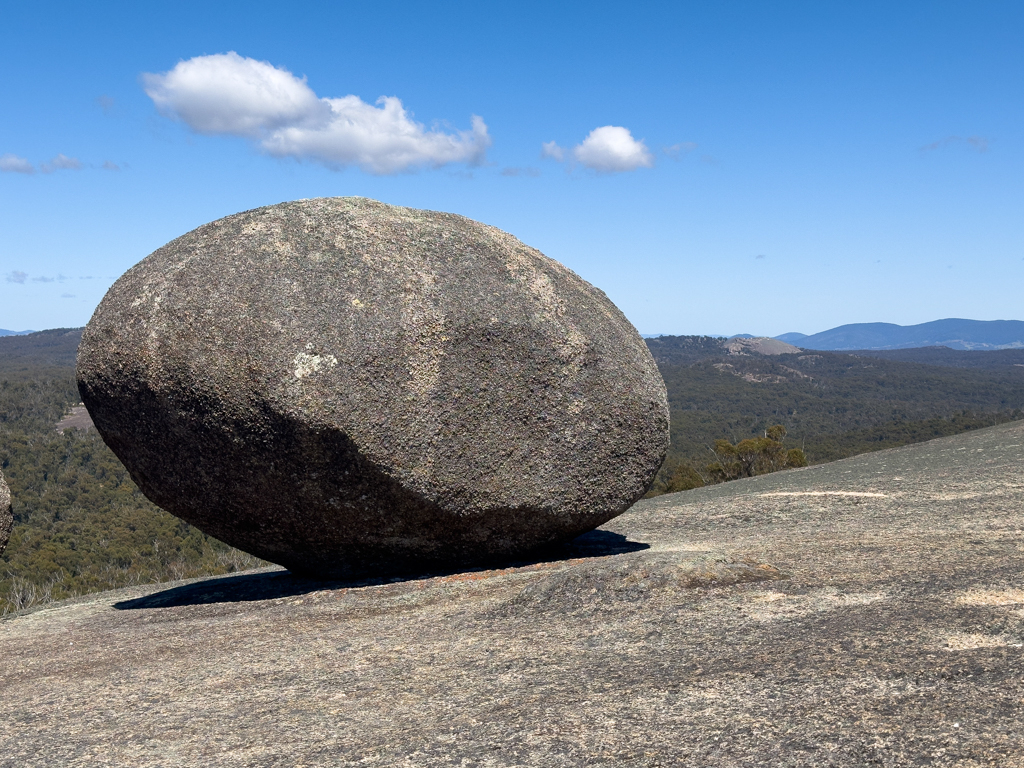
953,333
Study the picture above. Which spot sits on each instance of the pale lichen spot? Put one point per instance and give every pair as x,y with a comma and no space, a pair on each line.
779,606
146,295
357,303
959,641
306,364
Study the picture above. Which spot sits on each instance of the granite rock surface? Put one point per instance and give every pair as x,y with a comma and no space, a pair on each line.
6,514
868,612
343,386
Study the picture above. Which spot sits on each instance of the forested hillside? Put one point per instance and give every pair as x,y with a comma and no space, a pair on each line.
82,525
950,358
831,404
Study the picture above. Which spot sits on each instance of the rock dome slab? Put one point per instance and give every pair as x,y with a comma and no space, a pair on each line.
342,387
6,514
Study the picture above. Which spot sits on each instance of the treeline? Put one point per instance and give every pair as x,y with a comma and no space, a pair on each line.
952,358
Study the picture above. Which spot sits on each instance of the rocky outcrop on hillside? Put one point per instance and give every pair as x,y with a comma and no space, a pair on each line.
865,612
761,345
347,387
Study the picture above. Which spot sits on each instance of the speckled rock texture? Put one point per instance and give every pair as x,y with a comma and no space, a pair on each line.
665,639
343,387
6,514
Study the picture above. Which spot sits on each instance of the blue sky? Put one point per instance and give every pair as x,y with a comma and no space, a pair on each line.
725,167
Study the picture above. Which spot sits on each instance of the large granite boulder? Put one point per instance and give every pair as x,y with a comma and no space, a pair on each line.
346,387
6,514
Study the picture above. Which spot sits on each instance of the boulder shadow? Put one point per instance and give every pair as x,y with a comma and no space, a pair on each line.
267,584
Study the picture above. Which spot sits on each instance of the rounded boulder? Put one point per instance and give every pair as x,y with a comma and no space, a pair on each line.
345,387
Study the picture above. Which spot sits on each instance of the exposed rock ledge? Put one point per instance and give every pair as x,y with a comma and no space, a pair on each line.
762,345
895,639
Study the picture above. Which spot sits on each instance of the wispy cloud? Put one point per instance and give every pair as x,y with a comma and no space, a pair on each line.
979,143
678,150
520,172
550,149
18,276
13,164
61,163
232,95
67,295
10,163
106,103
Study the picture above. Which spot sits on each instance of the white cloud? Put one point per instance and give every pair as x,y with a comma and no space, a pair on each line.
110,165
61,163
13,164
552,150
226,93
379,140
16,277
612,148
230,94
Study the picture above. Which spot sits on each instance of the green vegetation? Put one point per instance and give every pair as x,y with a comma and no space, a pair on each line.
749,457
832,405
755,456
82,525
952,358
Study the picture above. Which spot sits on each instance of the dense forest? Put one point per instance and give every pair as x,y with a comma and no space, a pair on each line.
81,524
